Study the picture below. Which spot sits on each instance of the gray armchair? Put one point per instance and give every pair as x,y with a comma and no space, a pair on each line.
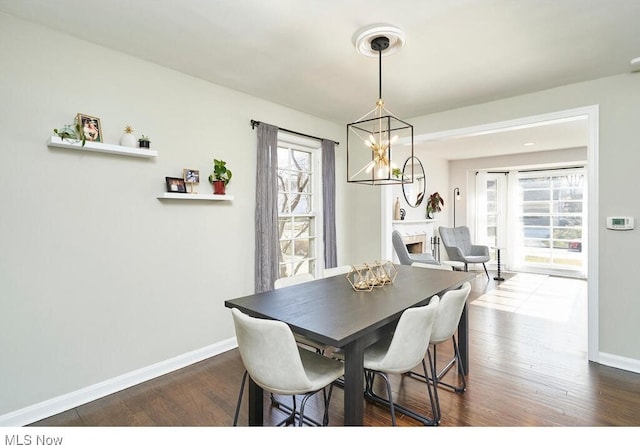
407,258
457,243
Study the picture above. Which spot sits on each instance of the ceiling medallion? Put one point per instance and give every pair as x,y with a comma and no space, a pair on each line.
363,38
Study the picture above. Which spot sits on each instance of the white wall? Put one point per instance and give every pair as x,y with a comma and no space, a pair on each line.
98,278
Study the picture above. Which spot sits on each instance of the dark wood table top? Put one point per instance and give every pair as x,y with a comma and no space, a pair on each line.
329,311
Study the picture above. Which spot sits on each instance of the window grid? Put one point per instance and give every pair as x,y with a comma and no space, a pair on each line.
296,210
551,216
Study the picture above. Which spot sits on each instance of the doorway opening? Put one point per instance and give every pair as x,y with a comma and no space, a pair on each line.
590,115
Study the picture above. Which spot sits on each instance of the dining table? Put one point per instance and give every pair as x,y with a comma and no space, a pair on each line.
330,311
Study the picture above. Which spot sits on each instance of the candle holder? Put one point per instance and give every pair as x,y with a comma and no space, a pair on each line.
360,278
365,277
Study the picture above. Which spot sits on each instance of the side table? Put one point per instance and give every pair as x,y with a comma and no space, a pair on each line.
498,277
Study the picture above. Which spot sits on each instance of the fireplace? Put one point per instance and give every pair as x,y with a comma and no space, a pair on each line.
416,243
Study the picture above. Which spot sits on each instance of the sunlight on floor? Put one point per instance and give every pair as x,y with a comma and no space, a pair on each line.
541,296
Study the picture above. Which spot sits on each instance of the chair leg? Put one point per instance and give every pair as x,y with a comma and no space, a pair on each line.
485,270
389,403
462,388
435,401
235,417
327,401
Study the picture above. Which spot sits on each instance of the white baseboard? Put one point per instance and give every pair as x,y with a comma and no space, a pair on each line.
50,407
616,361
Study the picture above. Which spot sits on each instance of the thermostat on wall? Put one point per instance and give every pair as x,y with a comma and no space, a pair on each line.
620,222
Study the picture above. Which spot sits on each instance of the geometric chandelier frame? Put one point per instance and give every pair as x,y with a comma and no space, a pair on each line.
371,139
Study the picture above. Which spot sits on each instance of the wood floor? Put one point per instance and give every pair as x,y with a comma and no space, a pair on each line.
528,367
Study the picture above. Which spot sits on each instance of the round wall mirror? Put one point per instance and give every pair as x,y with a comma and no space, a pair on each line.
414,192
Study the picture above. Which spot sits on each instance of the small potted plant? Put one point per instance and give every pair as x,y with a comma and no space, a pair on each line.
73,132
144,142
220,177
434,204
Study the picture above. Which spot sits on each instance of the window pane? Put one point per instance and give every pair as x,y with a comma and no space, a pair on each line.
567,207
301,160
531,183
283,158
300,204
286,249
536,243
536,195
284,228
567,234
569,194
567,221
535,207
537,232
301,227
535,220
283,181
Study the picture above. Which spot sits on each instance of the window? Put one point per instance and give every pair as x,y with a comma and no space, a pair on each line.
552,217
299,201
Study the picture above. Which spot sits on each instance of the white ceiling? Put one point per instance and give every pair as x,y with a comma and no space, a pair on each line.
299,53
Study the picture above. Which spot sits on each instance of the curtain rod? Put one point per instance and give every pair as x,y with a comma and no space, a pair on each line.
536,170
255,123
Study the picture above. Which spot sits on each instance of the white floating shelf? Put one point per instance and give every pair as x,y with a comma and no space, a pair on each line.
195,197
99,147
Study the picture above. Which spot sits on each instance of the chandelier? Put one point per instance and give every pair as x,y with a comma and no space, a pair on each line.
371,138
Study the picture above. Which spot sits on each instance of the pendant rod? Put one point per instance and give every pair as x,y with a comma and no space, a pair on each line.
380,73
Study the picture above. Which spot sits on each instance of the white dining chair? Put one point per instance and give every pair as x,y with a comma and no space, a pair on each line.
444,328
275,363
399,354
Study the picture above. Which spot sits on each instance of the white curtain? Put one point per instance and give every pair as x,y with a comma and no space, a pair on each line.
481,209
514,235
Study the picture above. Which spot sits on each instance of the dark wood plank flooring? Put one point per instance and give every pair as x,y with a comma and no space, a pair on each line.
528,367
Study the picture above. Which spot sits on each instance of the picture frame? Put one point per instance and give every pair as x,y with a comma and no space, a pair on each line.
91,127
191,176
175,185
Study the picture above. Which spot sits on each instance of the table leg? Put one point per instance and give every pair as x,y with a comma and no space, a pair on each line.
463,340
256,404
353,383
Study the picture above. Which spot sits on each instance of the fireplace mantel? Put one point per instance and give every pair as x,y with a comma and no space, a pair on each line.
413,221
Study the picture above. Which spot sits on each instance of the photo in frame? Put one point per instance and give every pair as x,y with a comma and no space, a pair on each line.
91,127
175,185
191,176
